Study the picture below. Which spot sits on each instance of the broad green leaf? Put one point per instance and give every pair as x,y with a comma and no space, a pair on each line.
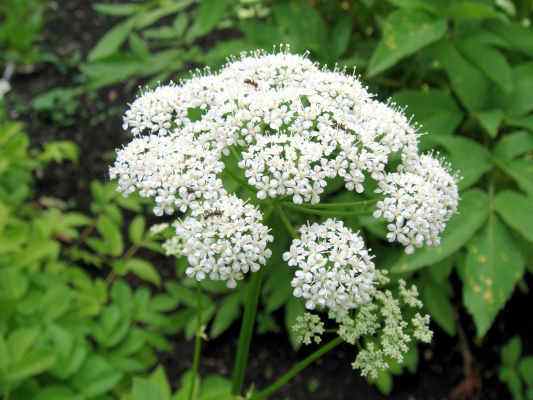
518,102
472,214
404,33
136,229
431,7
228,312
96,377
436,110
513,145
494,264
56,393
489,60
521,171
490,121
111,234
384,382
340,35
34,363
20,341
156,387
465,10
526,370
517,211
467,157
471,86
510,353
521,122
436,299
210,13
111,41
516,36
293,309
139,46
143,269
215,387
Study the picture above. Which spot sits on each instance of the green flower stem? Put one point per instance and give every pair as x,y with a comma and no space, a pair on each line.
296,369
245,336
197,349
286,222
361,204
360,208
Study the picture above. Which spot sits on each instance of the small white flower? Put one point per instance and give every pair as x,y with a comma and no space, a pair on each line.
334,268
223,240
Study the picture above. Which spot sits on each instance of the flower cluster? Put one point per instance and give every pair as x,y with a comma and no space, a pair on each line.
222,240
418,201
334,268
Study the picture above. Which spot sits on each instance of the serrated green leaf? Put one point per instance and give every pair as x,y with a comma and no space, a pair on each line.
472,214
136,229
437,301
517,211
518,102
521,171
467,157
490,121
111,41
96,377
404,33
467,82
32,364
436,110
111,234
513,145
493,266
228,312
489,60
144,270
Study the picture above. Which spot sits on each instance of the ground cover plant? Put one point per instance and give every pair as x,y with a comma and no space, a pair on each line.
460,72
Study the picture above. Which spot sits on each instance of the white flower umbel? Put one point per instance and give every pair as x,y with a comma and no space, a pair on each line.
419,199
223,240
334,268
178,174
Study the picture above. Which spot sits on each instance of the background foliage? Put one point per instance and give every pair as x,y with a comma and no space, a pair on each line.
87,301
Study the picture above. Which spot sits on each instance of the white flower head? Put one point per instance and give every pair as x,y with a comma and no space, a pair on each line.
334,268
223,240
419,199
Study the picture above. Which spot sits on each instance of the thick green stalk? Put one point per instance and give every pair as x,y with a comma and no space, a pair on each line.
197,349
245,336
296,369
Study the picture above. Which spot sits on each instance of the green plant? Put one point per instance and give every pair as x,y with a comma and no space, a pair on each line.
516,371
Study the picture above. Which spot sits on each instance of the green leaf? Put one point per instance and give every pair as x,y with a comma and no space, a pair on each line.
471,86
466,156
136,229
340,35
526,370
436,110
471,10
436,299
96,377
34,363
384,382
139,46
293,309
517,211
56,393
111,235
20,342
404,33
512,380
215,388
516,36
228,312
511,351
210,13
111,41
490,121
494,264
489,60
522,172
156,387
519,102
144,270
472,214
117,9
513,145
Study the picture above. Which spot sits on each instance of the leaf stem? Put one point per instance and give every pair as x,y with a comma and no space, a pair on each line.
245,336
197,348
296,369
286,222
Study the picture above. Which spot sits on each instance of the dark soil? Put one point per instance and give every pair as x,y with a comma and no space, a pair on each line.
74,27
